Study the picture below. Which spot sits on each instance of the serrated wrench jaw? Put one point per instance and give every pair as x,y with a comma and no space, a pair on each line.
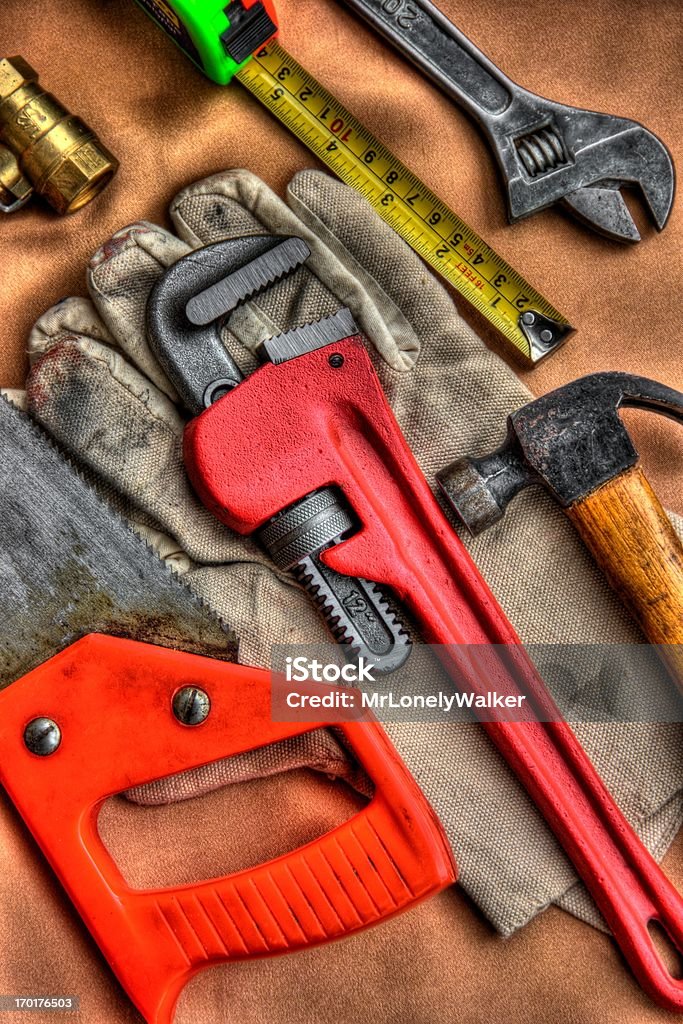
581,159
238,285
188,305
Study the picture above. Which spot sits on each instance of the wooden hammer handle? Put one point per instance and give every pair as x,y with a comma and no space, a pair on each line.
631,538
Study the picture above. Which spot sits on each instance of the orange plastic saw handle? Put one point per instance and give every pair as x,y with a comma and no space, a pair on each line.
112,700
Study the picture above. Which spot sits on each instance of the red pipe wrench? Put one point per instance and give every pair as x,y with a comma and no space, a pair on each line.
314,421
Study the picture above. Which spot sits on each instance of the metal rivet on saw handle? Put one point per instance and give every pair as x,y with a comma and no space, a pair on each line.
191,706
42,736
336,360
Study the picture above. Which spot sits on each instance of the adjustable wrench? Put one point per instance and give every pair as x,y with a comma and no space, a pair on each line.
313,425
547,152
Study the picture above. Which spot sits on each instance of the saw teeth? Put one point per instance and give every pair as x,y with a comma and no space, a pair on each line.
66,457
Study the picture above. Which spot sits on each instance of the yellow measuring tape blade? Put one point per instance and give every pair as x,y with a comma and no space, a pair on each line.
433,230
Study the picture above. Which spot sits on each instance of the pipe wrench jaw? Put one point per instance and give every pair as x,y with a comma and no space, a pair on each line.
188,307
185,314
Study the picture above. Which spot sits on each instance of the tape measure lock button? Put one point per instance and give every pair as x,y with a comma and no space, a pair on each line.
250,28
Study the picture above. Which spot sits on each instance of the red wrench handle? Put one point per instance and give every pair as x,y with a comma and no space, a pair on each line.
112,700
313,422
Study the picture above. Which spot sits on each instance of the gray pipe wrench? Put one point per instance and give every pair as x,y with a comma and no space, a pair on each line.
547,152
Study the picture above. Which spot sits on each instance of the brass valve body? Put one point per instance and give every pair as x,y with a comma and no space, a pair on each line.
15,190
62,158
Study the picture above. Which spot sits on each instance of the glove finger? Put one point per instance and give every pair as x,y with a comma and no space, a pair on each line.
128,434
165,547
399,286
235,203
71,316
112,420
120,277
68,320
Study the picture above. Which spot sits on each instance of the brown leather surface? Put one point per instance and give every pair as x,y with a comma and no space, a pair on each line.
441,962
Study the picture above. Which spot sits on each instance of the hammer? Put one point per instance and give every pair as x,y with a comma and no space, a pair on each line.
573,442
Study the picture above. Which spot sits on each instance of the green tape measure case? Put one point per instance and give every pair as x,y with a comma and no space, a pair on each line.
218,37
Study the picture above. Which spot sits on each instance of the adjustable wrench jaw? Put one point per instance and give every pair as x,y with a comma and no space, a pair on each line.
551,153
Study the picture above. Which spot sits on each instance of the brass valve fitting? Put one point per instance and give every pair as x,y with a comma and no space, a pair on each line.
15,190
62,158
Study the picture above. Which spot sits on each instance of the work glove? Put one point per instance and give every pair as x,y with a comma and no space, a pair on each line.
95,385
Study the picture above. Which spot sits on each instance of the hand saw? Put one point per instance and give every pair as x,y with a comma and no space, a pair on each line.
226,41
106,713
313,422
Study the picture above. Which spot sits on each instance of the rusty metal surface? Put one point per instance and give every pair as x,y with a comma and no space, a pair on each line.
70,566
571,441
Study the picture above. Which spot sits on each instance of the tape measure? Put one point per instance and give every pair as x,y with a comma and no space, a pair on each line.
221,40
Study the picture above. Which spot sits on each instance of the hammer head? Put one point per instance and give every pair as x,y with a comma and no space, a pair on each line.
571,441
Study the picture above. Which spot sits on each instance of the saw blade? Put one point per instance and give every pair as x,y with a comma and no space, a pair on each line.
69,565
